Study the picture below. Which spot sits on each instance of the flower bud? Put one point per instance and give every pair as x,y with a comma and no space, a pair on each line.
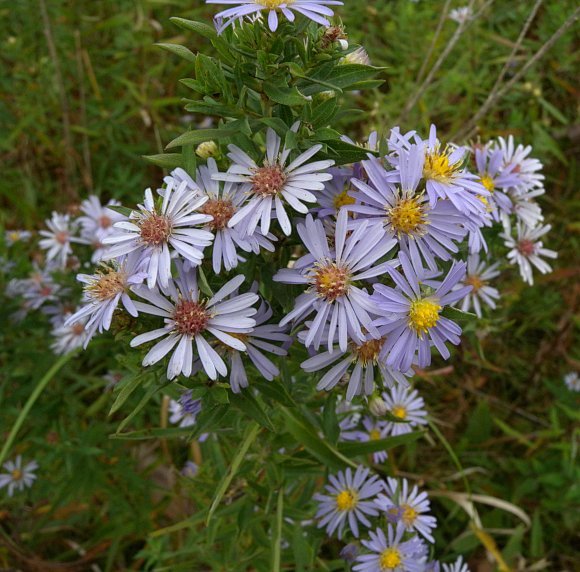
207,149
377,406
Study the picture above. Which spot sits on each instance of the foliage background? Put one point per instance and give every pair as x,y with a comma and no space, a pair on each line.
84,94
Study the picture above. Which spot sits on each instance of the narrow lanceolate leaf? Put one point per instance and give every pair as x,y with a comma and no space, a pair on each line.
251,434
303,431
355,449
277,533
204,30
178,50
126,211
198,136
285,95
126,390
165,160
253,408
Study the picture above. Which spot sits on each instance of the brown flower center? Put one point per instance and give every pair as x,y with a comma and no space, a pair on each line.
221,211
78,329
108,285
475,281
105,221
155,229
61,236
526,247
331,281
369,351
268,180
16,474
190,318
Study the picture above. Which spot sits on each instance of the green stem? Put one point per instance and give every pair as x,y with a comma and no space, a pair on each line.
31,401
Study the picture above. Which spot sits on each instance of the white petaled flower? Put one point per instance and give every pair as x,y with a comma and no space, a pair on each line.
408,506
527,168
405,404
331,276
572,381
271,184
316,10
525,208
527,248
457,566
185,411
371,430
19,477
391,199
358,363
57,240
97,216
390,553
224,200
13,236
69,337
36,290
350,500
461,15
336,193
189,320
478,276
154,230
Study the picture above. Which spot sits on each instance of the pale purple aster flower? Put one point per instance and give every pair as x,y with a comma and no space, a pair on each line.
184,411
478,276
474,225
405,404
104,290
391,199
336,193
68,338
97,217
398,141
525,208
189,319
358,363
349,552
447,179
409,507
526,249
224,200
457,566
190,469
461,15
572,381
412,319
350,500
57,240
36,290
331,275
19,477
316,10
527,168
13,236
154,229
274,183
390,553
371,430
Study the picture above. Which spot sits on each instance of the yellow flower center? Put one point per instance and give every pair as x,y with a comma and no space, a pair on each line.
423,315
374,434
15,235
406,216
474,281
16,474
331,281
437,166
399,411
346,500
390,559
342,199
107,286
368,351
409,515
273,4
488,183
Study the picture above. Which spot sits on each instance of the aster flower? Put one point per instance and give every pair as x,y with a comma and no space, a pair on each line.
426,231
273,183
447,179
350,500
97,217
104,290
19,477
13,236
336,193
185,411
525,208
190,469
358,363
189,319
526,249
408,507
527,168
224,200
405,404
316,10
331,276
372,430
153,230
390,553
68,338
412,318
457,566
461,15
478,276
40,288
58,238
572,381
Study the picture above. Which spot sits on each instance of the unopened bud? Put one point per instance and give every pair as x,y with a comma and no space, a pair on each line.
377,406
207,149
343,44
359,56
349,552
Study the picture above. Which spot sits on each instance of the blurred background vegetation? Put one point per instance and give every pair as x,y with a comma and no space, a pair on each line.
85,93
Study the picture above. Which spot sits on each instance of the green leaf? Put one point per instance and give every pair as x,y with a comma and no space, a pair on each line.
178,50
151,390
307,436
165,160
127,388
251,434
276,124
356,449
277,532
284,95
322,114
121,210
204,30
458,315
198,136
344,153
248,404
